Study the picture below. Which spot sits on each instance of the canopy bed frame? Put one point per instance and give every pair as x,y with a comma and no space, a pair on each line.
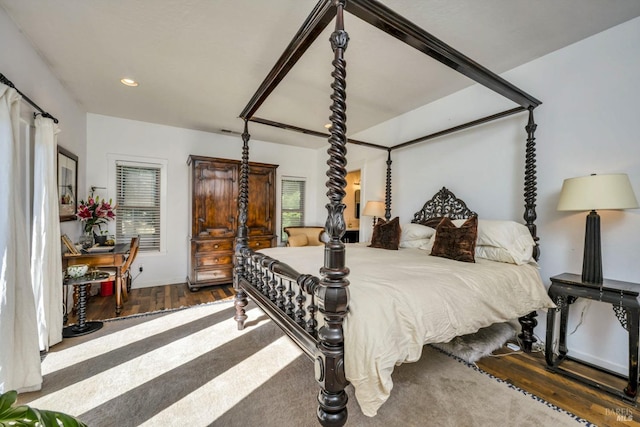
292,299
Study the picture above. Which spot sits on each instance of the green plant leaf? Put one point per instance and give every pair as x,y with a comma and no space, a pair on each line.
52,418
10,415
23,415
6,400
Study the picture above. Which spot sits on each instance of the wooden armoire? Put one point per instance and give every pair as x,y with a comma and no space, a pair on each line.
214,186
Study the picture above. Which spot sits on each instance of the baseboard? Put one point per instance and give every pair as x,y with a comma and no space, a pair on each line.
148,284
620,369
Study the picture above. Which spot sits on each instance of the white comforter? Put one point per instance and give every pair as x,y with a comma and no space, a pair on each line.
401,300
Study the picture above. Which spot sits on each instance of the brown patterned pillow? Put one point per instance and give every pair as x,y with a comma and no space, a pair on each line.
386,234
457,243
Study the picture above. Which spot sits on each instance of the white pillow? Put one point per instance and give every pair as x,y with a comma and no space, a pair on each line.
429,245
502,241
413,243
412,231
511,236
493,253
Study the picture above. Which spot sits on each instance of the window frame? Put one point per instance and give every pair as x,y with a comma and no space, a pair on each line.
302,209
143,162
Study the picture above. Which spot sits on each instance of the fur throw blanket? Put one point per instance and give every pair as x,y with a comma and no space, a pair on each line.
473,347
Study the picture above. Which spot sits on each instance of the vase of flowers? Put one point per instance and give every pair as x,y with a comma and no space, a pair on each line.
94,213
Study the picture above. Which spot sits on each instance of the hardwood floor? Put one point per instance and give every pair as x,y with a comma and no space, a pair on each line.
156,298
526,371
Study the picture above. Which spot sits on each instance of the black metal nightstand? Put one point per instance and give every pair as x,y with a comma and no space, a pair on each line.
565,289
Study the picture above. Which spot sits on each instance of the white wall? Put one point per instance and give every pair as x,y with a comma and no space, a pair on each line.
21,64
109,137
586,124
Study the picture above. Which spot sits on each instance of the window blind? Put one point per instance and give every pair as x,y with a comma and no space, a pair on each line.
138,208
292,204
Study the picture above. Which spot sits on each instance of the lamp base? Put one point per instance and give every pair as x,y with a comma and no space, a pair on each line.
592,258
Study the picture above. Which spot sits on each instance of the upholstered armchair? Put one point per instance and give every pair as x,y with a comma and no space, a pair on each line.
304,236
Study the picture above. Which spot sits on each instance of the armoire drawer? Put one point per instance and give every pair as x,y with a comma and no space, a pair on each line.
221,274
214,245
214,259
259,243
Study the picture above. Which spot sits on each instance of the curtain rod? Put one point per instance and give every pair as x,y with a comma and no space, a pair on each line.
8,82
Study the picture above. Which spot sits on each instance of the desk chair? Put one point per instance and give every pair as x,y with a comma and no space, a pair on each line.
125,270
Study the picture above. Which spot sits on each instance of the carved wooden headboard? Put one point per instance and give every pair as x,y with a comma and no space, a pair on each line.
443,203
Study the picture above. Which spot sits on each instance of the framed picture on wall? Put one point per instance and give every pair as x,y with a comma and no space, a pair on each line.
67,184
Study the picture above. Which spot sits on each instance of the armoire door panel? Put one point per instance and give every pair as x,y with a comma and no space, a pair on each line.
215,192
261,192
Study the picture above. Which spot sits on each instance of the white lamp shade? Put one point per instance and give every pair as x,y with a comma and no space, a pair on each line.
597,192
374,209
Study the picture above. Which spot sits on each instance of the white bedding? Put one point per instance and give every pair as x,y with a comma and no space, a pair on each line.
401,300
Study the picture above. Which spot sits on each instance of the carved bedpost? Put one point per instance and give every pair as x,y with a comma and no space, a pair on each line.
241,237
387,198
529,322
530,183
333,292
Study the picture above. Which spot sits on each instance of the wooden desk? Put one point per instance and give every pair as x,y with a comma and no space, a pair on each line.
114,259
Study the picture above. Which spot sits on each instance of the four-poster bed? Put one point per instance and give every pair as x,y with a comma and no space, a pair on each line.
318,312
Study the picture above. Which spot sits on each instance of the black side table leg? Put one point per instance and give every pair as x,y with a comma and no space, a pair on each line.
82,327
82,307
564,319
548,347
634,330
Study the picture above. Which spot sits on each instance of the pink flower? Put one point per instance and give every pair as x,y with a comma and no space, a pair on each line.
95,212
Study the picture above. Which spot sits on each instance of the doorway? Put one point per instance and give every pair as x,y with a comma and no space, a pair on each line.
352,206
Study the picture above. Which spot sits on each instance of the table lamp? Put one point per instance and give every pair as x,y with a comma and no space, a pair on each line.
589,193
374,209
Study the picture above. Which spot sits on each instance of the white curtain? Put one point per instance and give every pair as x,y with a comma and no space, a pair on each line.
46,269
19,350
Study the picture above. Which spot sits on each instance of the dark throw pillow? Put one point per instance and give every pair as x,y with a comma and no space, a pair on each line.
386,234
457,243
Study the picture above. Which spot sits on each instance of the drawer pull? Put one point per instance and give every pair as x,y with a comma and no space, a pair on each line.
215,260
215,246
257,243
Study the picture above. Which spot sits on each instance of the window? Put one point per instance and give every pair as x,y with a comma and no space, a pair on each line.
138,189
292,204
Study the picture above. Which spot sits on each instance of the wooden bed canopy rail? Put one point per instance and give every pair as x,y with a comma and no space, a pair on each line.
311,309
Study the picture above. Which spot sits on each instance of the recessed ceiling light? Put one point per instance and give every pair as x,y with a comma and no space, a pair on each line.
129,82
328,126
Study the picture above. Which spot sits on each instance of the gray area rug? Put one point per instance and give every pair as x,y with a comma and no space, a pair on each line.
193,368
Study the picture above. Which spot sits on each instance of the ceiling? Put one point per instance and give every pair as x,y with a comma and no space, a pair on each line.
199,62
